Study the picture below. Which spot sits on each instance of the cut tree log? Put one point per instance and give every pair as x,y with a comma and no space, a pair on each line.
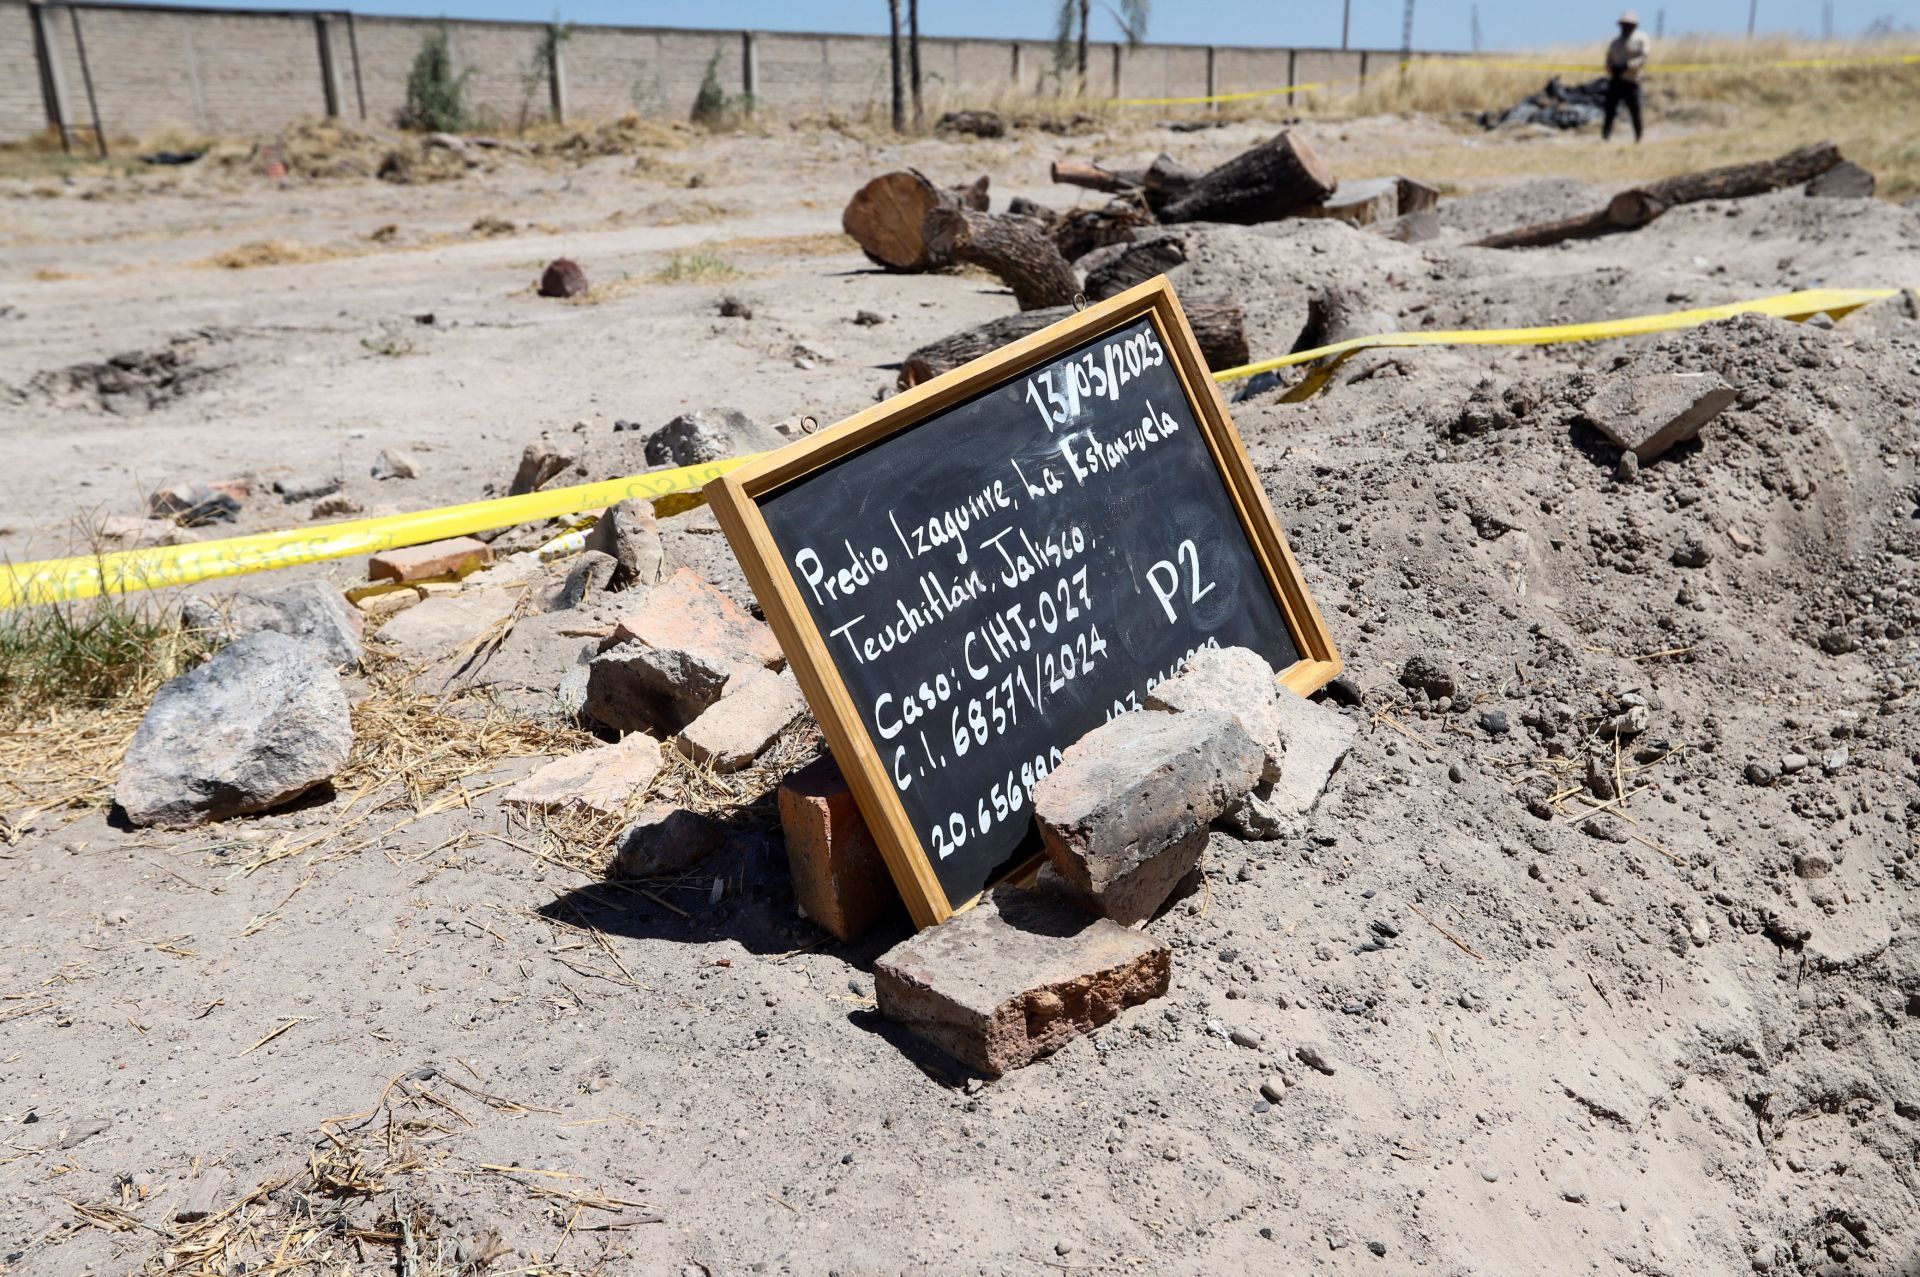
886,216
1165,181
1642,204
1134,264
1218,323
1013,248
1364,203
1095,178
1279,178
1079,231
1634,208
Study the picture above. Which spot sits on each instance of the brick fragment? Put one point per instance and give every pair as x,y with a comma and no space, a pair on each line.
1239,681
1648,413
436,558
840,879
749,717
1017,977
602,780
1124,817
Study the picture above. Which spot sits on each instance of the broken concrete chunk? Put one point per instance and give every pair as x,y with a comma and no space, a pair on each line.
1844,181
590,576
205,1195
630,534
543,461
602,780
665,840
1649,413
395,464
840,880
634,687
262,722
445,623
695,438
306,487
1318,738
313,612
1017,977
435,558
749,717
1124,816
1239,681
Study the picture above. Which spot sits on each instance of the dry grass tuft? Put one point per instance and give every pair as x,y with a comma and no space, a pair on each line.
270,252
369,1198
822,244
75,680
702,267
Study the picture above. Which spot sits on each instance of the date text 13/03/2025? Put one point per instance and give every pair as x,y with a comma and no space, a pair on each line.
1044,558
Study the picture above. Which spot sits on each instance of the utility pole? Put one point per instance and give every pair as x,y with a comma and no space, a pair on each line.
1476,28
1346,22
1406,32
913,57
1826,21
1660,24
1753,14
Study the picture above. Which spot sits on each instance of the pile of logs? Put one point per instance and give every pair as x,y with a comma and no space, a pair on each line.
904,221
1633,208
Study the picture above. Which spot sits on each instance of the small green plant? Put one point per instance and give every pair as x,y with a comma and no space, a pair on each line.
388,344
712,107
436,97
696,268
539,70
74,656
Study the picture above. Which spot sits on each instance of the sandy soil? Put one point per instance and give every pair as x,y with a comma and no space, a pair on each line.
1656,1038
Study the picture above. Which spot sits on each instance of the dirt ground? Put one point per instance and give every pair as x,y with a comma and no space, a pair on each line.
1674,1032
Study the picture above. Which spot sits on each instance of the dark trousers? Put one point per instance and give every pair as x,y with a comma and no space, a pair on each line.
1621,90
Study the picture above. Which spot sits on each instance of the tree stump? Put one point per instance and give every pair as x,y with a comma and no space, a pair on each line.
1013,248
1279,178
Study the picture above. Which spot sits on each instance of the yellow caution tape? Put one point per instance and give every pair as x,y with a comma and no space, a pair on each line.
62,580
1801,305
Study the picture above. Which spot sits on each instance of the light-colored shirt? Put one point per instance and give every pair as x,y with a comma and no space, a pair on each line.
1627,54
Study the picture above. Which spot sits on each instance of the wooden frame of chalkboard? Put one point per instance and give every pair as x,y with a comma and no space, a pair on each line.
737,500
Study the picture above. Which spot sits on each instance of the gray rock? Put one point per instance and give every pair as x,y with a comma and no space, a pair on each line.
395,464
1761,774
1254,818
306,487
665,840
1791,763
313,612
1316,1056
543,461
590,576
1495,722
1124,816
261,723
1238,681
634,687
1692,553
695,438
630,534
1318,739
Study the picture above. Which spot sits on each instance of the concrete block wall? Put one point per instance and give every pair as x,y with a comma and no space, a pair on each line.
23,111
157,69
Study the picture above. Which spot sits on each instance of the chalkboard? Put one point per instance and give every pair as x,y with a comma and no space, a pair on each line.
974,575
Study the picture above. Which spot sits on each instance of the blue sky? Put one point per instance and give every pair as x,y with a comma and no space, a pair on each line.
1438,24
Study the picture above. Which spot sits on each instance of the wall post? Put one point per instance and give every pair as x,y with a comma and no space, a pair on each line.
330,87
1293,59
53,79
1118,51
556,73
1213,76
749,68
1016,66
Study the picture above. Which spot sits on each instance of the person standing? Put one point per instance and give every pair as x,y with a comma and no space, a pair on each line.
1625,57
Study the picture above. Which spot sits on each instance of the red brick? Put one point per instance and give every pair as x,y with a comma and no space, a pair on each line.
436,558
840,880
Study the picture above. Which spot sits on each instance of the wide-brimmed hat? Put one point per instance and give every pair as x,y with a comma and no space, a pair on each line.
1629,19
